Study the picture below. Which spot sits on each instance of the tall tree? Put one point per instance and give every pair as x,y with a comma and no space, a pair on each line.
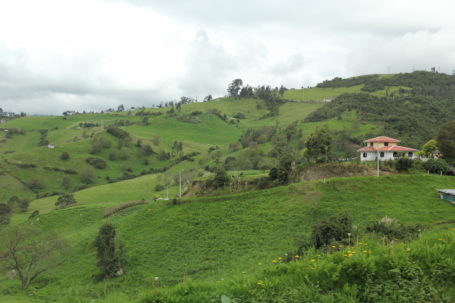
446,140
110,257
318,144
235,87
29,255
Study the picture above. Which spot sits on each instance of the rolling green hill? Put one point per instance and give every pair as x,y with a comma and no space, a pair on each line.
210,238
230,234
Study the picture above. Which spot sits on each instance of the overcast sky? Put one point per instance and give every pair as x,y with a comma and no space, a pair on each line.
58,55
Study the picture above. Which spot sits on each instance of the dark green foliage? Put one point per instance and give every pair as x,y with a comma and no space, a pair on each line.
23,204
333,229
5,213
436,166
35,184
391,229
403,164
113,155
146,150
43,138
220,179
110,257
413,117
65,200
34,214
159,187
99,143
319,144
259,136
96,162
11,132
64,156
446,140
234,87
66,183
340,82
88,176
123,136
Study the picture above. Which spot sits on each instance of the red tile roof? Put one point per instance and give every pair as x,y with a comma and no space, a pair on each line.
382,139
395,148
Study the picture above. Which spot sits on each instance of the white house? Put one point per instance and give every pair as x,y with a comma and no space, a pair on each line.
51,146
385,148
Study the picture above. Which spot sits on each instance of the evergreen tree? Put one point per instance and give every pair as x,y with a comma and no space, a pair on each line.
110,258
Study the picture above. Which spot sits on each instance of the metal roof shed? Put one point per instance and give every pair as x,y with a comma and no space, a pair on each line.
447,194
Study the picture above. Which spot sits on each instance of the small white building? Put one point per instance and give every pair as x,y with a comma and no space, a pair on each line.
385,148
51,146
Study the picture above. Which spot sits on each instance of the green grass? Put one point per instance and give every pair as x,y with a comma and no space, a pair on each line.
211,238
319,94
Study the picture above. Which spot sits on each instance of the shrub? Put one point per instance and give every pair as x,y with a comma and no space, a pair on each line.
391,229
403,164
23,204
113,155
35,184
96,162
146,150
115,209
34,214
159,187
110,257
88,176
436,166
333,229
65,156
65,200
5,213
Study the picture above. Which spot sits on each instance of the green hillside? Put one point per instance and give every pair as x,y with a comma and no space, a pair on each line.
240,163
219,237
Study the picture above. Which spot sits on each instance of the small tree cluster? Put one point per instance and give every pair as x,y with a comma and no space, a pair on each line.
110,255
333,229
65,200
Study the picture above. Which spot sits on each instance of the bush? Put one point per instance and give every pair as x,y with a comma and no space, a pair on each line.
65,200
96,162
35,184
333,229
5,213
403,164
88,176
391,229
65,156
110,257
23,204
115,209
436,166
159,187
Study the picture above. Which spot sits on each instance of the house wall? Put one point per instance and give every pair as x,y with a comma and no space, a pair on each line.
371,156
380,144
449,198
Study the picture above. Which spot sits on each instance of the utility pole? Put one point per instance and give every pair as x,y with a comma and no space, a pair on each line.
180,184
377,157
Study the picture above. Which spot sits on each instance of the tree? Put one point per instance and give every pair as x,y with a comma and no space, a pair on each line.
5,213
88,175
208,98
65,156
66,182
110,258
121,108
65,200
29,254
23,204
428,148
318,144
220,179
446,140
234,88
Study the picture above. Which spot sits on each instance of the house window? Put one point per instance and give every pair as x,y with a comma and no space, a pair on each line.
371,143
386,143
382,154
395,154
410,154
364,155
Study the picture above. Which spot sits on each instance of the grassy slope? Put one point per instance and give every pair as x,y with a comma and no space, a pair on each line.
219,237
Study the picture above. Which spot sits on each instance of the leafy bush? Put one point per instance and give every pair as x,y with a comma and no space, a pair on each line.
23,204
65,200
436,166
403,164
88,176
35,184
333,229
5,213
391,229
110,257
96,162
65,156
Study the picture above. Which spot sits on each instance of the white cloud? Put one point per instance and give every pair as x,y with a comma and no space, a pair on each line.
94,54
